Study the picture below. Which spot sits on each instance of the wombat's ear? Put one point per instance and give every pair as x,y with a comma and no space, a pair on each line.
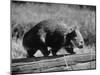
70,29
75,27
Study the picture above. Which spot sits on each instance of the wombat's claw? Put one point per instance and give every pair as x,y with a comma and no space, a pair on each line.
73,52
30,56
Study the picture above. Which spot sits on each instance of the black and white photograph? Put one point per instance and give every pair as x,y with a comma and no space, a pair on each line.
52,37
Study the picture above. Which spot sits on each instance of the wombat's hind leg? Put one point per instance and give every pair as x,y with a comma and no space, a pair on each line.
30,53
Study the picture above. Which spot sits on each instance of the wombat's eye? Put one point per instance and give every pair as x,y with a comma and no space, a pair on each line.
81,42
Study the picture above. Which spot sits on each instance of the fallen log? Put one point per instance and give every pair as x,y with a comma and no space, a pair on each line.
47,64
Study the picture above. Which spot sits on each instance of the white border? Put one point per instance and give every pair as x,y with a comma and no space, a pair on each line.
86,2
5,36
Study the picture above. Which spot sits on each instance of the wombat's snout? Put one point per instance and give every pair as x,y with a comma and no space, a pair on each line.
81,46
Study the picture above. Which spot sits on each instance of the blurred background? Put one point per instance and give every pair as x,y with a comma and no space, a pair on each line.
25,15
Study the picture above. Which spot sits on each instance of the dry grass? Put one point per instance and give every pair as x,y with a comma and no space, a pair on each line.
17,50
